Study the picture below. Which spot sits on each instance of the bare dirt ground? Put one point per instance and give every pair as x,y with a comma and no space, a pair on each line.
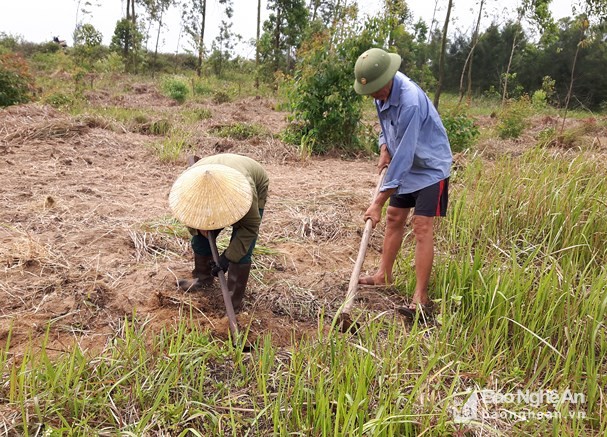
84,218
84,227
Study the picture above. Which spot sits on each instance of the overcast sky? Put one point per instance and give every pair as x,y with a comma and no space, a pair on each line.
40,20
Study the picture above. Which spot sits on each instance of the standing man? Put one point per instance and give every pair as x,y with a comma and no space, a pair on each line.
414,146
215,192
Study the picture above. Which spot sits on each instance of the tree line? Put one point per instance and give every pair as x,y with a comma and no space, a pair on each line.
312,47
500,60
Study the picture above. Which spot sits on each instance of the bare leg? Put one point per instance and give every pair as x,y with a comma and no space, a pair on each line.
395,231
424,256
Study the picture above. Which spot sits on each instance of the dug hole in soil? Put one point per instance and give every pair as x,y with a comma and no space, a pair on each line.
84,217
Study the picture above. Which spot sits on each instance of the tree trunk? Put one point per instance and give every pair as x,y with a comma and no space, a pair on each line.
314,7
468,63
76,25
430,33
177,48
507,74
157,39
257,44
127,40
570,90
277,41
521,14
201,40
441,62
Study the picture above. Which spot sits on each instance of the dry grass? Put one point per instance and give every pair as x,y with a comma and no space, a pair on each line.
47,130
151,246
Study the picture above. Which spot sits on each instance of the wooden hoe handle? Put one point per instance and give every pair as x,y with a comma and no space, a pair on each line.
353,286
227,300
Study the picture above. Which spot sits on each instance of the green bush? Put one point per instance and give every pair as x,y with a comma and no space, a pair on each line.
293,133
539,99
513,118
325,109
112,63
127,41
176,89
9,43
324,106
201,88
461,130
52,63
16,82
58,100
141,119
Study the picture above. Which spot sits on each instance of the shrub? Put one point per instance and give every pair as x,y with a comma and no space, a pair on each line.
156,127
10,42
126,41
16,83
112,63
201,88
513,118
323,104
53,63
293,133
539,99
221,97
325,109
175,89
548,85
461,130
58,100
322,100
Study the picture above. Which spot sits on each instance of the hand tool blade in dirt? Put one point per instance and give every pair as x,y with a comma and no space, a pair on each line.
344,319
227,300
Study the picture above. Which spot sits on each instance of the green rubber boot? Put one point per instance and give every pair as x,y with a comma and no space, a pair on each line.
238,275
201,275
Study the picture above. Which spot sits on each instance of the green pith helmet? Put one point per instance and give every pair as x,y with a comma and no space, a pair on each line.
374,69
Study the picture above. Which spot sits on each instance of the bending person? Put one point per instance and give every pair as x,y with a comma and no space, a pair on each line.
215,192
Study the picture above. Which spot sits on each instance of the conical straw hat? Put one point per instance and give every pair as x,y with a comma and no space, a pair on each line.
210,196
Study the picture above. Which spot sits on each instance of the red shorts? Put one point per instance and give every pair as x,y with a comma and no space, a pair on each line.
428,202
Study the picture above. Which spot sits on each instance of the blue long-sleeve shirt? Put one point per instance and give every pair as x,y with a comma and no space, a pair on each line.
415,137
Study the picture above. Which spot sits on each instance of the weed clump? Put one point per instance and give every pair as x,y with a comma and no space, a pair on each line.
221,97
239,131
176,89
171,147
202,114
160,127
58,100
